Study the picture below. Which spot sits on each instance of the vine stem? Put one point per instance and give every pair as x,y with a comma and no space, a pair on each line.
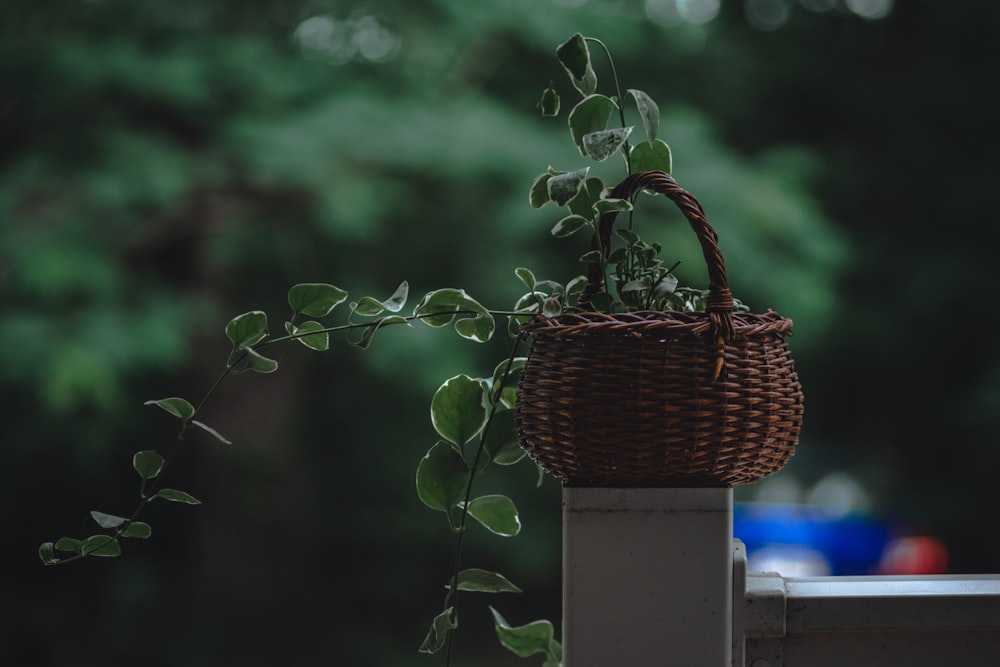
148,491
463,518
618,93
149,486
626,148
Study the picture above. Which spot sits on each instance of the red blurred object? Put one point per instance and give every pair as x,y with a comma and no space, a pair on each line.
917,554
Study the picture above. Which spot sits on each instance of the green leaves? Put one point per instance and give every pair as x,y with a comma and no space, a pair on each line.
527,640
107,520
184,411
562,188
574,56
590,116
148,464
438,634
648,112
549,102
178,407
314,299
458,409
311,334
173,495
137,529
653,156
247,329
497,513
605,143
441,307
309,300
101,545
442,478
484,581
370,307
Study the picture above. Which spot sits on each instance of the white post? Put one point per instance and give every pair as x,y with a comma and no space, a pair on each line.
647,577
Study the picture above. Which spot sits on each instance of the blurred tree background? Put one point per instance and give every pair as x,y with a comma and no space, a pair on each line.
165,166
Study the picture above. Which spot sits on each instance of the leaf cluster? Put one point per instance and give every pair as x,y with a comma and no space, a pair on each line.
641,279
462,412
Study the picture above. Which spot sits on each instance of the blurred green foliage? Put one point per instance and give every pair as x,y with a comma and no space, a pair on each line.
166,166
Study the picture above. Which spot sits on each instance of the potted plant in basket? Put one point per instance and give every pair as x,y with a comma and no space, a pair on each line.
630,379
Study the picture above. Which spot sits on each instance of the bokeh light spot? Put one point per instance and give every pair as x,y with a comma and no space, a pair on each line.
872,10
767,14
698,11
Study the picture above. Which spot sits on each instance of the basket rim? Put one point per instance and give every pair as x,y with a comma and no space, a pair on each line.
653,322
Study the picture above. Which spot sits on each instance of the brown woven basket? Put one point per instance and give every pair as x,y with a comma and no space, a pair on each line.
651,399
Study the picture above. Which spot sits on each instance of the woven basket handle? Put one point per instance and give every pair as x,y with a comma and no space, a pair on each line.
719,306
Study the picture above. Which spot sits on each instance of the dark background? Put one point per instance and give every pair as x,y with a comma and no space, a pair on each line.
165,166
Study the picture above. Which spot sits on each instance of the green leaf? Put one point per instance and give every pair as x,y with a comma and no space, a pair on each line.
101,545
651,157
442,477
484,581
438,633
107,520
247,329
314,299
563,187
508,453
637,285
479,329
138,529
395,303
175,496
526,277
591,257
497,513
369,332
575,286
367,306
569,225
458,409
549,102
583,203
208,429
665,286
574,55
551,308
603,144
539,194
314,341
648,112
525,640
589,116
147,463
506,369
178,407
251,360
70,544
602,206
440,307
46,551
628,236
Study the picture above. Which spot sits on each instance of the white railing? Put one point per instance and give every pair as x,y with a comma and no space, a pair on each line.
654,577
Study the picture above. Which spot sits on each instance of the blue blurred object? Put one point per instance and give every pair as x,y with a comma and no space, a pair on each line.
805,540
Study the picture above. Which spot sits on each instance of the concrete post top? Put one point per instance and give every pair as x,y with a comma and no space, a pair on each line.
580,499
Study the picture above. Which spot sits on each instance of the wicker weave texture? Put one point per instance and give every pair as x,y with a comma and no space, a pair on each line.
629,400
